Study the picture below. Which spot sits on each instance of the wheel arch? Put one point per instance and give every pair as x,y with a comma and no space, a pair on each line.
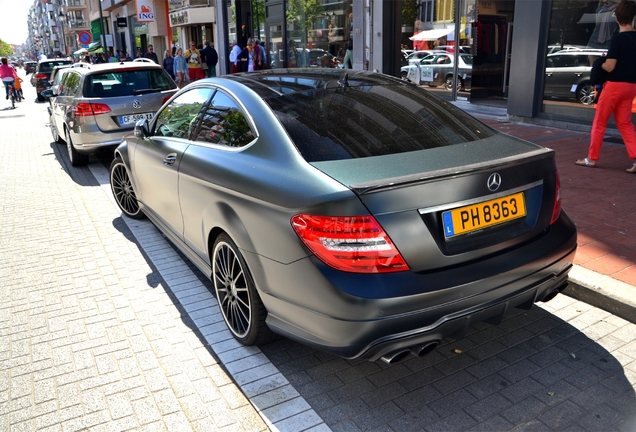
226,220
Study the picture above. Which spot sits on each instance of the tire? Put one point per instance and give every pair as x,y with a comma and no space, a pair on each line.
404,76
40,98
241,306
448,82
585,93
76,158
123,191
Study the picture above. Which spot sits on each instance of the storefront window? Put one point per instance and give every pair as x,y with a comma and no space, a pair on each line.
580,32
318,33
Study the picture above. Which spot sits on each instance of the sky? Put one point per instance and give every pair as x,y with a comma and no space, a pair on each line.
13,29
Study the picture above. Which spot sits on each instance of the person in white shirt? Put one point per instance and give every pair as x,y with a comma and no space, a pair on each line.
234,60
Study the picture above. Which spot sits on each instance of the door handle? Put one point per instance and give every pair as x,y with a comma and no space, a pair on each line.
170,159
549,74
578,74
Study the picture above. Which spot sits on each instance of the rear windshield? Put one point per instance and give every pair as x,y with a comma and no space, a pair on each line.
49,65
127,83
365,121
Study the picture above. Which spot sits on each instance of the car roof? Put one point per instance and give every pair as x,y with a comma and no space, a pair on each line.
268,83
87,68
577,51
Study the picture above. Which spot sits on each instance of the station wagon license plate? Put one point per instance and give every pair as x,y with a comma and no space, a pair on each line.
483,215
131,120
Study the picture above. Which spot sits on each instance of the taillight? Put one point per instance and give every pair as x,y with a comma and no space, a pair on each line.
166,99
349,243
556,210
40,76
84,109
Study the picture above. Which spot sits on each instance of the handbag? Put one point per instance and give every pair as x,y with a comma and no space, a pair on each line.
204,66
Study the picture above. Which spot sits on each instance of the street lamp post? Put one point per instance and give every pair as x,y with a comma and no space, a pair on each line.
61,22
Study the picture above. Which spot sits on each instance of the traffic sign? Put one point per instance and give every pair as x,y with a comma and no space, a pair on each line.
84,37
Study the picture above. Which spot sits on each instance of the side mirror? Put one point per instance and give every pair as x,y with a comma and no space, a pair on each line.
47,93
142,129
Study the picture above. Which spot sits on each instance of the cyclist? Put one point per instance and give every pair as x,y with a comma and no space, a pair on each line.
8,75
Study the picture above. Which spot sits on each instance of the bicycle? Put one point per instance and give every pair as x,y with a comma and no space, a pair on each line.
11,90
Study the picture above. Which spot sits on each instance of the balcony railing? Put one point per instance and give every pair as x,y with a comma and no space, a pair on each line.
78,24
75,3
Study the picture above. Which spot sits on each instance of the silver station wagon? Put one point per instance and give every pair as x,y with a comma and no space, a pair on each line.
94,106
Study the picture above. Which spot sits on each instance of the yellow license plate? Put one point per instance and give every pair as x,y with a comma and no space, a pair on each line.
483,215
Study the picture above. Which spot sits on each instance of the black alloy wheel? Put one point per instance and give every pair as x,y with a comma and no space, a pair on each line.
76,158
123,191
240,304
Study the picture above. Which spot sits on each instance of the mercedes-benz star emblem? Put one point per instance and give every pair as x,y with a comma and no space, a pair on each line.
136,104
494,181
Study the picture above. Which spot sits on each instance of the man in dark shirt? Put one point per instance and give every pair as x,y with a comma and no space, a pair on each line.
211,58
151,54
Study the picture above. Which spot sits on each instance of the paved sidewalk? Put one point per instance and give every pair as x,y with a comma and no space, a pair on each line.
601,202
104,327
92,336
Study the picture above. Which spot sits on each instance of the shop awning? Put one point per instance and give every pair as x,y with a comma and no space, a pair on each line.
95,48
432,35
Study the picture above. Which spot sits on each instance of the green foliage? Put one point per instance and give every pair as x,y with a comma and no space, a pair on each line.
304,12
409,12
5,49
236,129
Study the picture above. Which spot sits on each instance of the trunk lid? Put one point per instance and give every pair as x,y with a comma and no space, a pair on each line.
434,203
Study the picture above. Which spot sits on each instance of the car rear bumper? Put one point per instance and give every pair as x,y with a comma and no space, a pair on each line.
88,141
315,312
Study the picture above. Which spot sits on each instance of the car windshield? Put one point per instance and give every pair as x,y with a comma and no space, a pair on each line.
127,83
366,121
467,58
49,65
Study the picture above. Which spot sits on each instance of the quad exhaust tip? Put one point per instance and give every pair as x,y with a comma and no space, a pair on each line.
418,351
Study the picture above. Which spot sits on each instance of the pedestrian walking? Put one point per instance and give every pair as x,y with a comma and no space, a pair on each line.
193,56
234,60
209,58
180,68
151,54
619,90
168,63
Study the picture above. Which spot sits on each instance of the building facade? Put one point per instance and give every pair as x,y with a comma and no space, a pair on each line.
531,56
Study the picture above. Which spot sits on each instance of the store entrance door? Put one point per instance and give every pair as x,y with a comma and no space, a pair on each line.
492,50
275,44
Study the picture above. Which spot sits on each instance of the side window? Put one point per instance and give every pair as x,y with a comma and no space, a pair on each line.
224,123
70,83
180,117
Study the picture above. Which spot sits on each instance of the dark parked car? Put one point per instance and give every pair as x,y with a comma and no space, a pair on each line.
29,67
42,75
352,211
567,74
94,106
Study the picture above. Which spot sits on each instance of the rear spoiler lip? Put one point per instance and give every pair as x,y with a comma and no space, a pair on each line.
404,181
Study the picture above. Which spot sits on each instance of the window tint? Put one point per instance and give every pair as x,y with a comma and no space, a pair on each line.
180,117
127,83
224,123
49,65
366,121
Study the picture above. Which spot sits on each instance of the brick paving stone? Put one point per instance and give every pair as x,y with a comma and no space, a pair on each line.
78,297
94,308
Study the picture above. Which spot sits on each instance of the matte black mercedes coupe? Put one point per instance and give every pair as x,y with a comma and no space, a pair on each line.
353,212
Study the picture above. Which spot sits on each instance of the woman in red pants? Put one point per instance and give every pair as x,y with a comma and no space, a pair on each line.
619,90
